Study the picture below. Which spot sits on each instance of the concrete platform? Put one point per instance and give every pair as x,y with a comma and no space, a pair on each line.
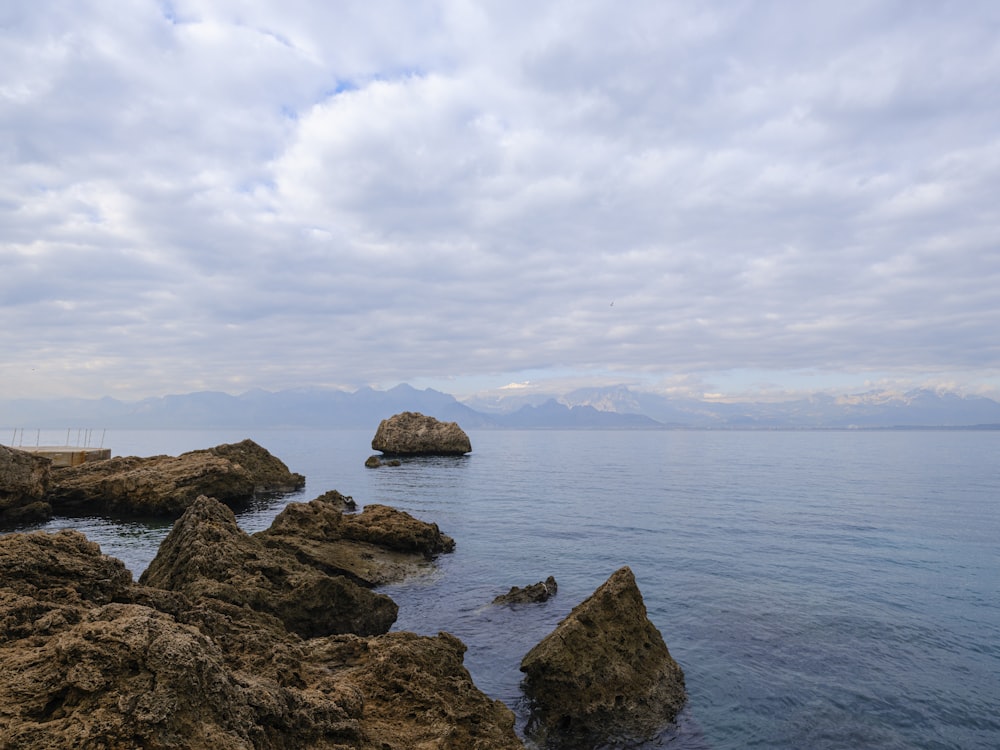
68,455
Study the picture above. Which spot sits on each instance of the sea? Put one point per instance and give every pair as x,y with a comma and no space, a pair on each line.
820,589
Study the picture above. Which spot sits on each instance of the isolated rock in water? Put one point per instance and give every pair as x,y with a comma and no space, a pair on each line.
376,462
167,485
604,674
207,555
413,434
24,480
536,592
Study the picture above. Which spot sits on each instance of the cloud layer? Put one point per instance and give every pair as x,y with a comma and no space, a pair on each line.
226,195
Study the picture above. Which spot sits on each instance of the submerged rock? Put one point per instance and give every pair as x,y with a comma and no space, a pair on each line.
376,462
536,592
413,434
604,674
167,485
24,480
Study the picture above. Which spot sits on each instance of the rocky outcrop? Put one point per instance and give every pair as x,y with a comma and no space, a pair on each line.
90,659
207,556
418,694
377,546
533,594
24,479
269,473
604,674
167,485
413,434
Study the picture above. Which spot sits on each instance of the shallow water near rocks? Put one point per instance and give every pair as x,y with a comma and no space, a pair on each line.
820,589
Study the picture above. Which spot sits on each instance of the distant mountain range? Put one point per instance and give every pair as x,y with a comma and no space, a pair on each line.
616,407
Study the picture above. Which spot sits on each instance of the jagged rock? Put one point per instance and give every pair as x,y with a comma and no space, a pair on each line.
396,529
536,592
24,479
206,555
343,503
604,674
90,659
377,546
167,485
83,665
270,474
129,676
418,693
413,434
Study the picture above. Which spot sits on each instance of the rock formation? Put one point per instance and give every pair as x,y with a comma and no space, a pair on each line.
604,674
413,434
536,592
270,474
90,659
167,485
376,462
206,555
24,479
377,546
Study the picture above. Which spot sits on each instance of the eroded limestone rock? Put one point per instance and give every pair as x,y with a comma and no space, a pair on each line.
377,546
167,485
413,434
90,659
24,480
604,673
535,593
206,555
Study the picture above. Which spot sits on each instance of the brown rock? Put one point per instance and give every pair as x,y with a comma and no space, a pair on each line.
206,555
397,530
418,693
604,674
24,479
413,434
378,546
270,474
536,592
129,676
82,666
167,485
89,659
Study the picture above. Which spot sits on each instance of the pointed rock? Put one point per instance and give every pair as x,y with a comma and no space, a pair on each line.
604,674
207,555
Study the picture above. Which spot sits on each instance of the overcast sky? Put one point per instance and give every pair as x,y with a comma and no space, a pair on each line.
726,197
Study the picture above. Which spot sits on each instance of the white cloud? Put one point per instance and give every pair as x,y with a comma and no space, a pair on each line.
228,195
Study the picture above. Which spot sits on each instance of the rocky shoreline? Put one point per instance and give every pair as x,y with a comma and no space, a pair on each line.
279,639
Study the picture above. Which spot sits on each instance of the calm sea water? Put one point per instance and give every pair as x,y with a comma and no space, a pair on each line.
820,589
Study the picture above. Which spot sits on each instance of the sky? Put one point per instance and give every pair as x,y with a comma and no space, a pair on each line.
686,197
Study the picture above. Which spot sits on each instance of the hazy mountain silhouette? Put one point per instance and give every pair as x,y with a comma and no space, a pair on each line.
616,407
